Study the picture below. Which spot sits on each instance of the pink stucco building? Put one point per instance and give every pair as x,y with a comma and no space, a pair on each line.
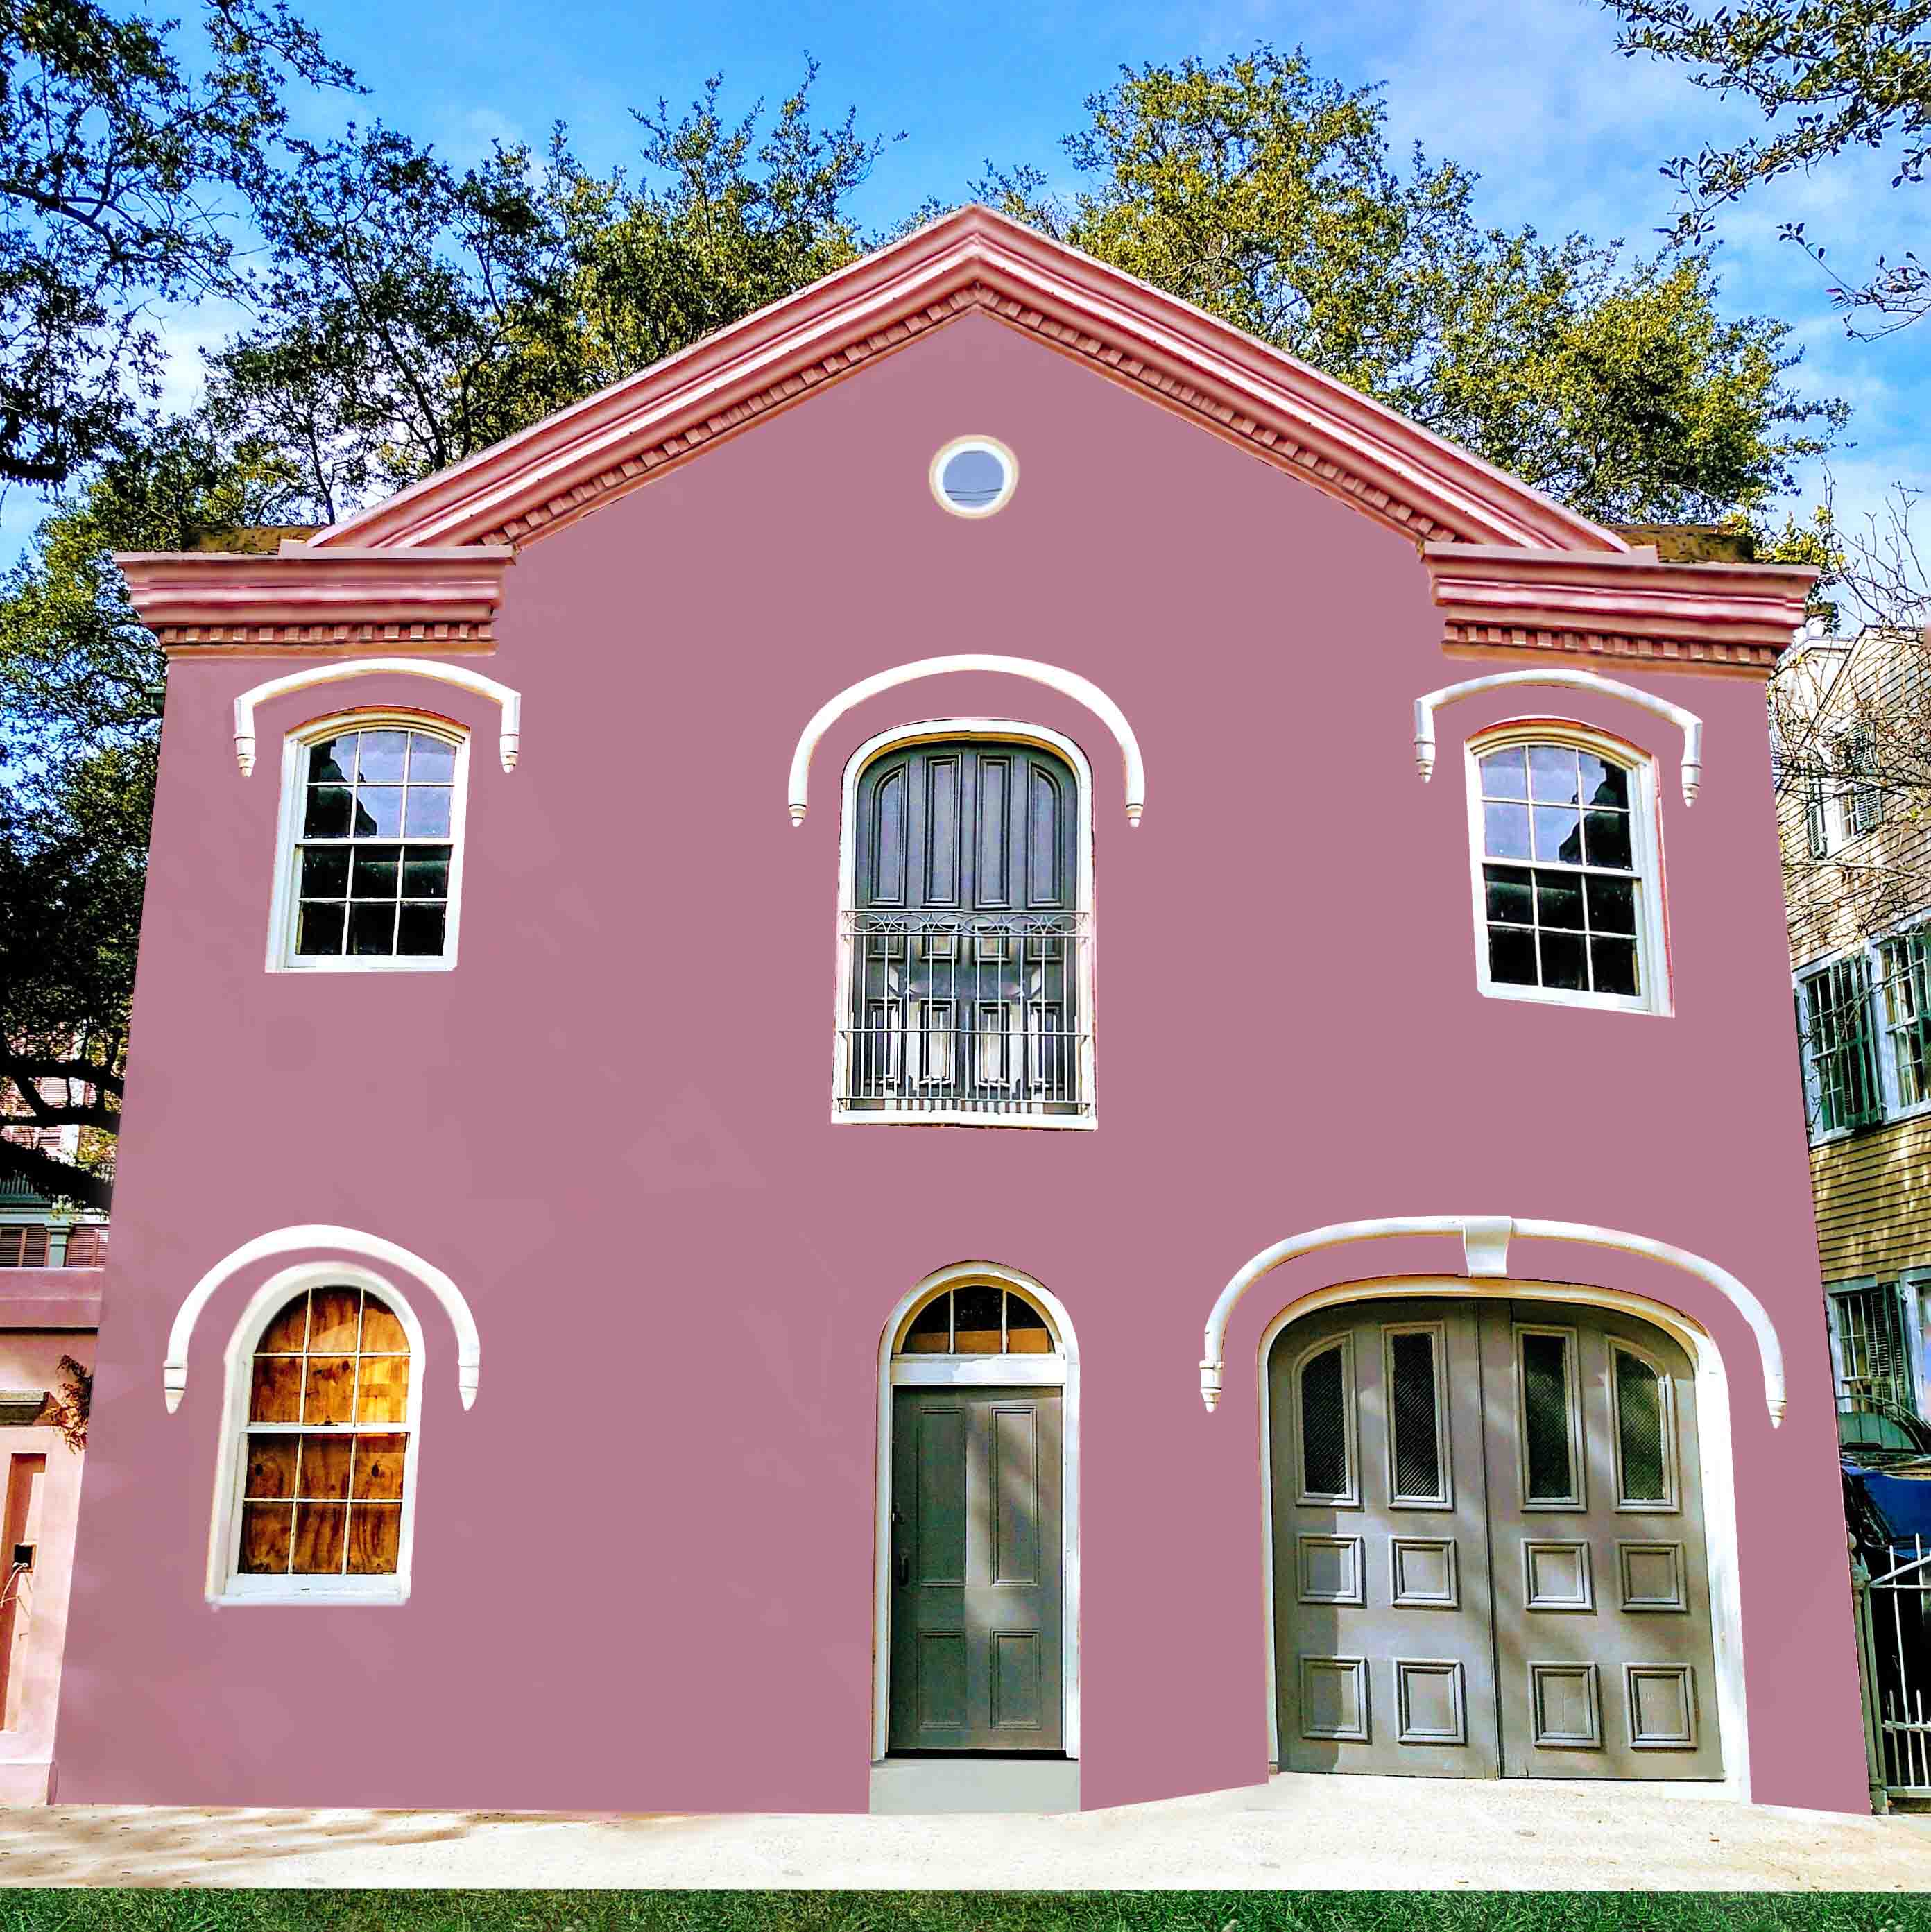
706,1307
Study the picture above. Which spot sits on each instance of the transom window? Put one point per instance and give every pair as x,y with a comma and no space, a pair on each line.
977,1321
373,823
1567,899
325,1460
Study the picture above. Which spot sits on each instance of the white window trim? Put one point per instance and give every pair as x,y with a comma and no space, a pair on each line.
1063,1368
1646,839
973,512
1871,951
285,901
1009,731
225,1584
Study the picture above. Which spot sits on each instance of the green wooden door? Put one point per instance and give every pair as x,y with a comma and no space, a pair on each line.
976,1588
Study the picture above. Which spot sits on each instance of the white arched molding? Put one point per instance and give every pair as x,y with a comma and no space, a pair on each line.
1062,1369
346,1241
1692,726
1716,1451
509,701
1484,1247
1084,690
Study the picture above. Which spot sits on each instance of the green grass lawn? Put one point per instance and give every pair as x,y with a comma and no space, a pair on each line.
186,1911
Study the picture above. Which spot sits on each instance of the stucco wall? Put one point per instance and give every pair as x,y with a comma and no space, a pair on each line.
643,1561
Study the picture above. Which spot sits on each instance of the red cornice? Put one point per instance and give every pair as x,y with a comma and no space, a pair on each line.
1498,598
426,599
973,260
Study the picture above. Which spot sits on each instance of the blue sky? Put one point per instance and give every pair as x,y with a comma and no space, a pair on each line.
1565,133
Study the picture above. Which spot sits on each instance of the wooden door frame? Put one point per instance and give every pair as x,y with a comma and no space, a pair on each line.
1716,1473
932,731
1060,1371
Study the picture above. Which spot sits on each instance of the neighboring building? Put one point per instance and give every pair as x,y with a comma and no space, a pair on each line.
1857,848
37,1233
815,1425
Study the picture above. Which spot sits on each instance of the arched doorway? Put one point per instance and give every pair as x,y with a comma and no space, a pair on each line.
978,1576
1488,1542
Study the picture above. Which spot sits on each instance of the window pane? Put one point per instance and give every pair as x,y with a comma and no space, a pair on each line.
318,1528
1562,961
1552,775
1639,1413
1612,905
425,873
329,1390
375,1539
930,1332
976,1320
372,928
325,1465
381,1333
324,872
328,815
1558,834
384,1394
428,813
1558,900
332,761
377,868
1508,894
1511,956
1026,1330
431,760
1506,831
1505,774
1614,961
1609,838
1545,1434
1412,1402
332,1321
275,1395
1603,783
265,1538
378,1465
270,1465
419,931
383,755
1323,1426
319,929
378,811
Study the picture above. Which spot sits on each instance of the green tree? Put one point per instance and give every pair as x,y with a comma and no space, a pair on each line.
1828,76
121,172
1269,196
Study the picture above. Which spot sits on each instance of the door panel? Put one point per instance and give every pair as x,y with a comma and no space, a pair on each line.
1603,1649
976,1601
1488,1547
1382,1646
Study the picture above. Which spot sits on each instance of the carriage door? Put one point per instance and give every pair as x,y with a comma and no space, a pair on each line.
1488,1550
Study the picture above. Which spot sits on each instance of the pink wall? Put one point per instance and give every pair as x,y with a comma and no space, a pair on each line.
643,1561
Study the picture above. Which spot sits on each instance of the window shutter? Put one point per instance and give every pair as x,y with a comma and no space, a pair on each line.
23,1247
87,1247
1816,829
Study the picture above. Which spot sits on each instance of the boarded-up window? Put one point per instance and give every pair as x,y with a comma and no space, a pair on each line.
327,1446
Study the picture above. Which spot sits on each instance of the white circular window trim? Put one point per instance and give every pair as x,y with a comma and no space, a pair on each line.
959,446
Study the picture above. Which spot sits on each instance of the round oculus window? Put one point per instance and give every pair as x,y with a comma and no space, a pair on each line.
974,476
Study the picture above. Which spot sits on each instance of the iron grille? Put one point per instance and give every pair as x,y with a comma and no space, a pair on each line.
1417,1438
966,1013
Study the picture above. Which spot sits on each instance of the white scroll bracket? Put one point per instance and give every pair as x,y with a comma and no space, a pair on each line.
1691,725
509,702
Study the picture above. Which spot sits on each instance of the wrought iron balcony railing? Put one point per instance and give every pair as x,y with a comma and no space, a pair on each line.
966,1013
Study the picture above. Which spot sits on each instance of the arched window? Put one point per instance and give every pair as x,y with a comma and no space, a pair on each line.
965,947
323,1396
370,866
1567,870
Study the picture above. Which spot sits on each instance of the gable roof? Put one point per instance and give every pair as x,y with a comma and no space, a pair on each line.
1513,570
973,261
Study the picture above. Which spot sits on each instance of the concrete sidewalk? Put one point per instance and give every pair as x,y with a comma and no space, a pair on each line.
1327,1832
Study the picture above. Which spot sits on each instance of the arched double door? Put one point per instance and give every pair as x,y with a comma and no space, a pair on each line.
1489,1555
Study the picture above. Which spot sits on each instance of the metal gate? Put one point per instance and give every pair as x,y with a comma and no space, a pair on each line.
1893,1622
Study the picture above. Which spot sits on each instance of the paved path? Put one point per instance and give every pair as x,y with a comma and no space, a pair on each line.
1326,1832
